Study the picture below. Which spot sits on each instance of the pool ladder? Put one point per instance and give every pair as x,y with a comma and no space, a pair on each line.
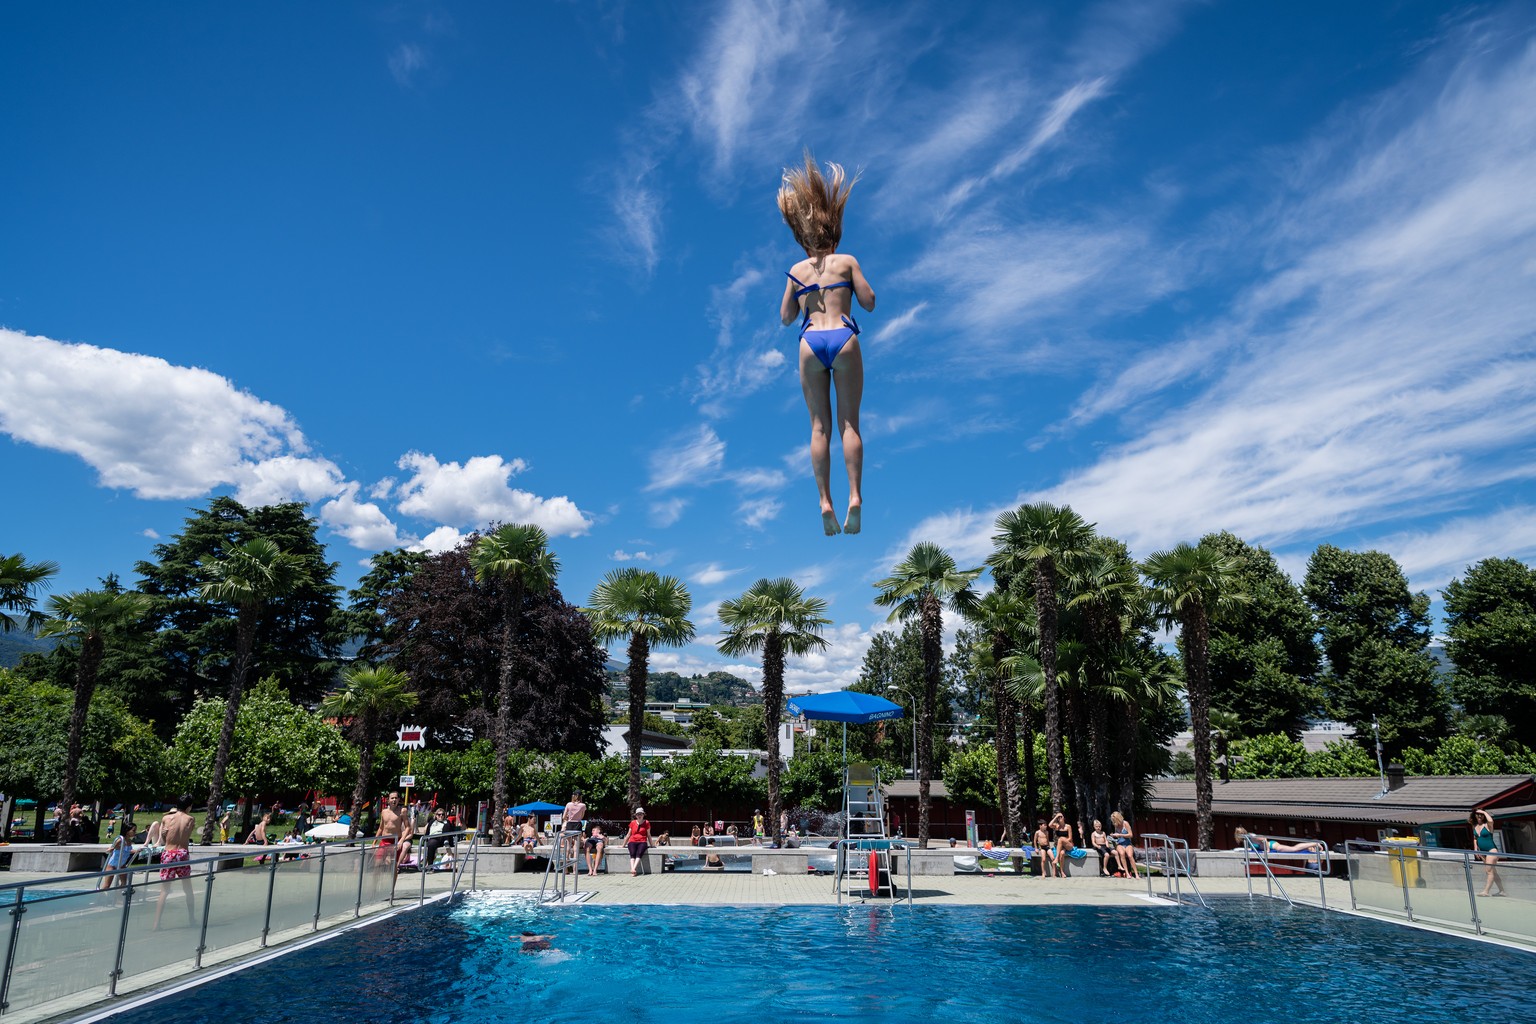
1177,863
565,853
1257,849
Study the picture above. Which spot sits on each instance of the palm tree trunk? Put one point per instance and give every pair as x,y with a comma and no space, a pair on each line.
511,606
1031,791
369,729
1196,648
1007,749
639,673
1045,615
933,660
85,687
773,704
1098,756
1130,729
245,646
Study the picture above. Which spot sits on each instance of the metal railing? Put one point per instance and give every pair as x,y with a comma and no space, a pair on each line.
564,858
89,936
1177,864
880,862
1317,862
1445,887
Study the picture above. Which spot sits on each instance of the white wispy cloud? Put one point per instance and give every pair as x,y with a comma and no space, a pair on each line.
756,513
620,555
1378,368
668,511
405,61
692,459
711,574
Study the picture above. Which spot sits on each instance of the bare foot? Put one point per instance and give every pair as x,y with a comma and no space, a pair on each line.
853,523
829,524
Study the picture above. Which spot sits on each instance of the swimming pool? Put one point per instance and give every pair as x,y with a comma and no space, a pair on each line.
1233,962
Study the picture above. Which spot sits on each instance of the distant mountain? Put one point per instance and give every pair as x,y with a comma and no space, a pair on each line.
670,687
19,642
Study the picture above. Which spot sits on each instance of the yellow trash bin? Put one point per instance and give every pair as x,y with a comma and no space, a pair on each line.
1403,854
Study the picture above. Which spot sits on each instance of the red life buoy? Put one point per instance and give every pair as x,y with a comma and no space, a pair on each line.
874,874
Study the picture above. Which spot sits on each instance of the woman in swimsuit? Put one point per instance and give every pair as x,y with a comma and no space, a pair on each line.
1125,853
1487,848
820,289
1061,834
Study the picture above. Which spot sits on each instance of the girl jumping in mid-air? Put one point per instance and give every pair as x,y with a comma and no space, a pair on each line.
821,289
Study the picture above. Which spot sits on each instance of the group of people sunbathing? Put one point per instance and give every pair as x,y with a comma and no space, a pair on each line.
1055,847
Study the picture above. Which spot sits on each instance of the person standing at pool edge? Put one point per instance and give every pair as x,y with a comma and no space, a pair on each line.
175,831
829,337
1488,849
638,841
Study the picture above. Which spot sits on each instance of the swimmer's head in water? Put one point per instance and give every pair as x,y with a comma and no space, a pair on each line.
812,204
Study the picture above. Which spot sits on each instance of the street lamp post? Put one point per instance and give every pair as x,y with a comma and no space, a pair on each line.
913,702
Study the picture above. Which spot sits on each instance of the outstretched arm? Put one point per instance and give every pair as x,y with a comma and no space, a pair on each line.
861,289
789,308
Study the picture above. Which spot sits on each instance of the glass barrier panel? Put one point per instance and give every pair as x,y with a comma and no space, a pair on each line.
236,909
338,895
66,945
1512,915
378,874
1437,887
1376,876
293,898
177,905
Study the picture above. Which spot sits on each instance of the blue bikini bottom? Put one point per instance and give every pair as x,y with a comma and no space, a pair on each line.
827,344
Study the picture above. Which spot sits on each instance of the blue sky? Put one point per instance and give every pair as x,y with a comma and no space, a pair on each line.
1185,266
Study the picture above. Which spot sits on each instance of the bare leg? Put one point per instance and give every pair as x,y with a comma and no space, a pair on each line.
816,385
849,381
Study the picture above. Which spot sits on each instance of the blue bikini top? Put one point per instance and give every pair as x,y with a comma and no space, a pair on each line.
806,289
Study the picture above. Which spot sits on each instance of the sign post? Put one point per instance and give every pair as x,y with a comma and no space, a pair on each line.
410,739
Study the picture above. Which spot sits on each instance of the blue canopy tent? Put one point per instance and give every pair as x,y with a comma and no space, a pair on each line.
845,706
537,807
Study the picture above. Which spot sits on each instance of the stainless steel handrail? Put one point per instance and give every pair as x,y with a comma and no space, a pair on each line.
1177,864
1257,847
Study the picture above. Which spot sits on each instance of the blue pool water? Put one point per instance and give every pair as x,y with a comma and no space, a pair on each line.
1236,962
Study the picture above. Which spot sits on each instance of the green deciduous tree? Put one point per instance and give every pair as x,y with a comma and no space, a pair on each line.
1271,756
1491,639
1341,759
918,588
773,619
368,699
648,610
278,746
1264,658
1375,634
85,619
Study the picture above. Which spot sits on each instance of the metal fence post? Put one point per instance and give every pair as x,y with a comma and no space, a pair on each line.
319,890
122,937
1349,864
202,935
362,858
1402,876
17,909
1466,870
266,923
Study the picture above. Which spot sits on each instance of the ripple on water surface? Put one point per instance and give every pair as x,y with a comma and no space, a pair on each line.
722,965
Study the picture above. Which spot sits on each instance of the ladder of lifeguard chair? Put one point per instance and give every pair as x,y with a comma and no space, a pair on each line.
564,854
864,819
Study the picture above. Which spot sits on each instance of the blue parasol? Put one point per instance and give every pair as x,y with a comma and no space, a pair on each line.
537,807
845,706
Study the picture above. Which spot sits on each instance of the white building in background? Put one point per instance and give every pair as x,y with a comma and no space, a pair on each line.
1314,738
665,745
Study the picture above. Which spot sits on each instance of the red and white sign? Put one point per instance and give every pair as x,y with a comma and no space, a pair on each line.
411,737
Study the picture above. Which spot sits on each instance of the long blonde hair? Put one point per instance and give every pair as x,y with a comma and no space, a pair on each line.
813,206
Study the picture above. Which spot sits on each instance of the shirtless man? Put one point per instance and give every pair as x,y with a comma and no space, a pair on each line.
175,831
394,829
570,821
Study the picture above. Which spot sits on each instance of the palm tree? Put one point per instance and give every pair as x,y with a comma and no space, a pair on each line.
87,618
920,586
1189,583
649,610
1043,540
1000,615
517,556
18,579
370,697
773,618
247,576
